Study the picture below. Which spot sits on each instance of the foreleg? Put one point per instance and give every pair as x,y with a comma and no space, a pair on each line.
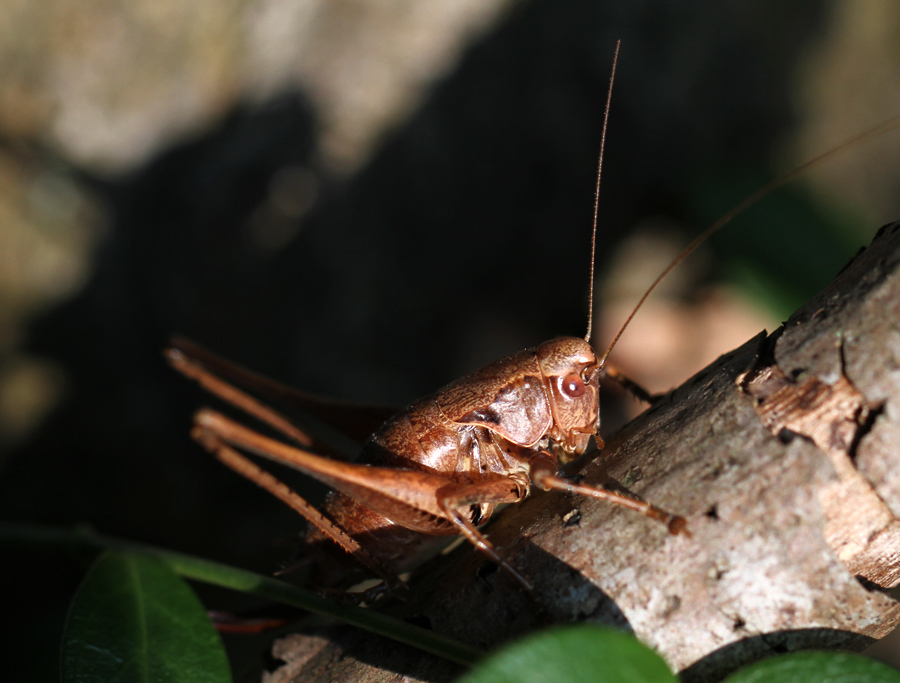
457,501
545,475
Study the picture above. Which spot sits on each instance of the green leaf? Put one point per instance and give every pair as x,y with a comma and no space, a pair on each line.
817,667
587,654
134,619
218,574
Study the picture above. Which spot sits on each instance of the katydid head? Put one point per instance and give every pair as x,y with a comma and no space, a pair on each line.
571,375
571,368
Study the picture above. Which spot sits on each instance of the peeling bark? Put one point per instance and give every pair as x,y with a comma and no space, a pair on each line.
784,455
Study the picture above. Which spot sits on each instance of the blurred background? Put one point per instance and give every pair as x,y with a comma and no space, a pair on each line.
368,199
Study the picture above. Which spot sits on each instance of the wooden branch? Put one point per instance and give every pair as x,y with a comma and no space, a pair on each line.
784,455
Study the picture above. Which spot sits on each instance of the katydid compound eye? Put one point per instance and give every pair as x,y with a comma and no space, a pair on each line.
572,385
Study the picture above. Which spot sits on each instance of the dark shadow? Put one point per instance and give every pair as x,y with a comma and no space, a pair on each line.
176,258
467,597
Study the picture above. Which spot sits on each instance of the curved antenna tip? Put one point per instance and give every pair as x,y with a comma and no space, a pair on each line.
612,78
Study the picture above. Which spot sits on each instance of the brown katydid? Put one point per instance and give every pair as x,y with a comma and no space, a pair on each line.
442,465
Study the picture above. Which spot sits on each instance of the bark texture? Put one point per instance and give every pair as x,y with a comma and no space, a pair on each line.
784,456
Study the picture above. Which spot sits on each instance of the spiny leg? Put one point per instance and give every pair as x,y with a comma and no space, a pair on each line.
356,421
265,480
417,500
456,502
240,399
544,474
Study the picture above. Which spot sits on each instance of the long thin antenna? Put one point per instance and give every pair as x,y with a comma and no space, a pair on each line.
612,78
870,134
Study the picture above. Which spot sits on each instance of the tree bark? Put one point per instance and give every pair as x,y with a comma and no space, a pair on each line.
784,456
